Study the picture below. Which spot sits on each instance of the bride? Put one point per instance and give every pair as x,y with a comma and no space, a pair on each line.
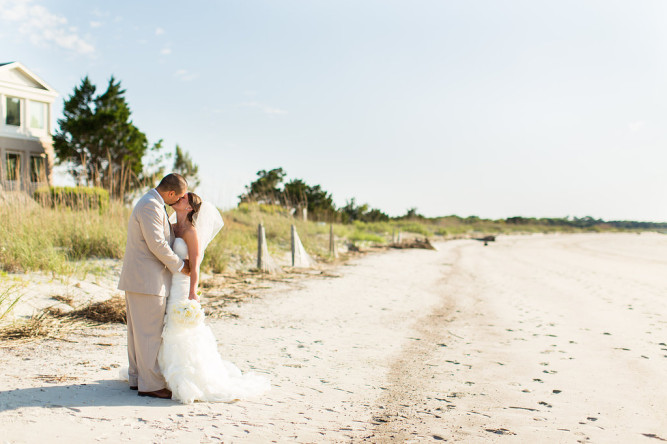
188,356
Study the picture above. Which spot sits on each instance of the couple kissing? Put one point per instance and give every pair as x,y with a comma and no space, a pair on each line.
172,353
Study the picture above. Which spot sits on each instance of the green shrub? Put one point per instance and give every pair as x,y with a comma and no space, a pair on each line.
76,198
364,236
416,227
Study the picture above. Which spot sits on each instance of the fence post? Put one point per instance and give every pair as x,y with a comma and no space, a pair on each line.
293,230
264,261
260,239
332,243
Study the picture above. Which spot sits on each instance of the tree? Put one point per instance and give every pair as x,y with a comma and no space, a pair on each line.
265,188
375,215
351,211
99,142
297,194
320,203
363,213
184,166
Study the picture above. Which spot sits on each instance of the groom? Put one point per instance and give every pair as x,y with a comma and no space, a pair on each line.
146,278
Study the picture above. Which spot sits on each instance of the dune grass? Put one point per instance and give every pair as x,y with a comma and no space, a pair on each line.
60,240
8,299
33,237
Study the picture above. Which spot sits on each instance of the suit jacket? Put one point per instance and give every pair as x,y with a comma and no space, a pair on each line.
149,260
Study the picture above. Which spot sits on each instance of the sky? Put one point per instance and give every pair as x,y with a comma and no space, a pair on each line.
483,107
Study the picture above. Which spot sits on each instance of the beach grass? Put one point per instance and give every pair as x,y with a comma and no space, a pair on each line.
33,237
61,240
8,299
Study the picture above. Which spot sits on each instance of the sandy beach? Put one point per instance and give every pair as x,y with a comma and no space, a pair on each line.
558,338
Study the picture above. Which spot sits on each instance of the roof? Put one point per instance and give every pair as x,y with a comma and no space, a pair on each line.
28,76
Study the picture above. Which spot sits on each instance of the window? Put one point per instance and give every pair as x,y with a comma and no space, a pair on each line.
37,115
13,166
13,111
37,169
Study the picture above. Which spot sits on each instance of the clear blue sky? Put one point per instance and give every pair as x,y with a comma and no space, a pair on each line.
490,108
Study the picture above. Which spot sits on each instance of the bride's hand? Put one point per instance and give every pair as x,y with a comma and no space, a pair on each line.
194,297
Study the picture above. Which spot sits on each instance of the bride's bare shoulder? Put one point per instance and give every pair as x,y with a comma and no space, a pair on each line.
189,233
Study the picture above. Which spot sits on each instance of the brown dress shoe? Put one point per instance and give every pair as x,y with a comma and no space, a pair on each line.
162,394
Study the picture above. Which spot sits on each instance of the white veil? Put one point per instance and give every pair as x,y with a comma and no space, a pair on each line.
208,222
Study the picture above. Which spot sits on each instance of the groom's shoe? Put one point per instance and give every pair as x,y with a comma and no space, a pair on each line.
134,387
162,393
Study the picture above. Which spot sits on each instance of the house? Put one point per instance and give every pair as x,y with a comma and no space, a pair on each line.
26,147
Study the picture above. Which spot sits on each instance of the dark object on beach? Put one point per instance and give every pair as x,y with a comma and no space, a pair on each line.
352,248
414,243
486,239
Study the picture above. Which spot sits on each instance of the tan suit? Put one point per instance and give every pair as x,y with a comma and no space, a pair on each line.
146,277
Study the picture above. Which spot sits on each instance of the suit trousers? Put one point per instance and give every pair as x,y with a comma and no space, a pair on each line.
145,319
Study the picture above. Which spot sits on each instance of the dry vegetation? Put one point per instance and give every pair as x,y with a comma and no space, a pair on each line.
59,241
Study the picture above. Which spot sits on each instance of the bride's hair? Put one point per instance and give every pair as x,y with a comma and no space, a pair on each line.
195,203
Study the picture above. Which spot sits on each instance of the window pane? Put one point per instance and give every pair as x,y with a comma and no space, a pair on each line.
13,111
37,171
37,114
13,166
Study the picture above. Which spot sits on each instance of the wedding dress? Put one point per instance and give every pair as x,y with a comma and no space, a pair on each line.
189,357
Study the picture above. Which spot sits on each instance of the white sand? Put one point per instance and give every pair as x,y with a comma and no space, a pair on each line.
531,339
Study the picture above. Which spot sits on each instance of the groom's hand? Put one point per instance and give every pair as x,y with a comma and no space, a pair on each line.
186,267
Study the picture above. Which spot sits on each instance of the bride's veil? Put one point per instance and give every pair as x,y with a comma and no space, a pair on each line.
208,222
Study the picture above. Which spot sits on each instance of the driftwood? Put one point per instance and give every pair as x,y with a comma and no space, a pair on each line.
486,239
414,243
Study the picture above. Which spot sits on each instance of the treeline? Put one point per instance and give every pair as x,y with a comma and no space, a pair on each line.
301,198
308,200
587,222
100,145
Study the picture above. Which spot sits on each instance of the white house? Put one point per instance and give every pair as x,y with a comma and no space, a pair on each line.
26,115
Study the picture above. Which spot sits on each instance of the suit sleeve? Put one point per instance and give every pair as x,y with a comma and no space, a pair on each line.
152,228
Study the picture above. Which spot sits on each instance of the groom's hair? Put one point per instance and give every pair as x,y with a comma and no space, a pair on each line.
173,182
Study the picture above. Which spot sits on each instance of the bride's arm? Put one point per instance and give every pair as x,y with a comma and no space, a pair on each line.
192,240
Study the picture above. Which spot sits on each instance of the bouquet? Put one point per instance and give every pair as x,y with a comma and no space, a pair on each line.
187,313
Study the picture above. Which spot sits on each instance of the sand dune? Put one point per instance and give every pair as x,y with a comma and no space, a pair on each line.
530,339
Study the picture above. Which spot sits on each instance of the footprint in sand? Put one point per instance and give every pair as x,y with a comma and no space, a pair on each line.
653,435
500,431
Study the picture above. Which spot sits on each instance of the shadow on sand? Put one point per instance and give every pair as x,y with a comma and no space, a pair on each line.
106,393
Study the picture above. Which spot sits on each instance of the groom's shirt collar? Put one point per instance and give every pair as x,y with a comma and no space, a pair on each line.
158,196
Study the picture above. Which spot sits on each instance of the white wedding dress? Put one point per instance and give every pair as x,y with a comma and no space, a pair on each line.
189,357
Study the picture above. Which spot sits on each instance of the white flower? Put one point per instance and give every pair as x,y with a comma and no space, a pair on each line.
187,313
